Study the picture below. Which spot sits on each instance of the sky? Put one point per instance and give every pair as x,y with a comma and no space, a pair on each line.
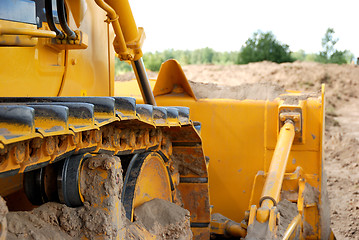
226,25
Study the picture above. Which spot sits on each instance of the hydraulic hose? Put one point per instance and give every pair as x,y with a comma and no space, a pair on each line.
50,20
63,22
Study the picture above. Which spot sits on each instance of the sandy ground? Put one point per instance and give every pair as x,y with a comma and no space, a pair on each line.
342,114
342,124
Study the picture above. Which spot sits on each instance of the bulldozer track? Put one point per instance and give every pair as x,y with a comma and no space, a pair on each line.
35,132
38,131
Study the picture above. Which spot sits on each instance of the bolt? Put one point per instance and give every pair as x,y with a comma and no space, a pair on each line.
97,135
76,138
132,139
50,146
116,139
19,153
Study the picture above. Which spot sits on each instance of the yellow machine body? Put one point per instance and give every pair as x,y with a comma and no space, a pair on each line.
51,70
260,151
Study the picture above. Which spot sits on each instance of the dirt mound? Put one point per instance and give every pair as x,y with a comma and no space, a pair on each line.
164,219
255,91
342,81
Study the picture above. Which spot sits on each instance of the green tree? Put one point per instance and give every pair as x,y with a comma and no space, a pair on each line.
264,46
299,55
153,61
329,53
207,55
121,67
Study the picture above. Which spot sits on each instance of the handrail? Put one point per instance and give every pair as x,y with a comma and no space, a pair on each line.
27,31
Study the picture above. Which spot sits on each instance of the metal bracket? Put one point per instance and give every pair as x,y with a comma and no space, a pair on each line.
65,44
294,115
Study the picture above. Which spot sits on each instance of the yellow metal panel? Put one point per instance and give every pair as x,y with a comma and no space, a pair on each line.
30,71
311,119
130,89
233,139
42,70
172,78
78,8
88,69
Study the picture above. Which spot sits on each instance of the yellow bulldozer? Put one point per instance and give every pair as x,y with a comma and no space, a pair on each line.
74,139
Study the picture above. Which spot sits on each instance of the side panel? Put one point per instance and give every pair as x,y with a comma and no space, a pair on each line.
30,71
31,67
89,71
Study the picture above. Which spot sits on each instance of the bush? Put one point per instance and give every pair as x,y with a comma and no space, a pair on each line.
264,46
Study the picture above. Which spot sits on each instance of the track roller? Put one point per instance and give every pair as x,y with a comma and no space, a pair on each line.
57,182
68,180
34,186
40,185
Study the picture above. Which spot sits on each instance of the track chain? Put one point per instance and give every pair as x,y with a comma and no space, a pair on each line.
37,131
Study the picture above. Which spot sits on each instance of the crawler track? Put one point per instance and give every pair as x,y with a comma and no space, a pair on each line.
35,132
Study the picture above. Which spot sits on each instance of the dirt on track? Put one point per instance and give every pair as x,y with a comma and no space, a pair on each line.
342,119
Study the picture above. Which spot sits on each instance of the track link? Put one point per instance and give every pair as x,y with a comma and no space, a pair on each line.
37,131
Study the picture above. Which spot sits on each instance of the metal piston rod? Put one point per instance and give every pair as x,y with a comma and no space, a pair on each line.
143,82
273,183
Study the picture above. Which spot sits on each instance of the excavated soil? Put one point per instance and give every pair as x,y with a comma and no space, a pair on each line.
164,219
